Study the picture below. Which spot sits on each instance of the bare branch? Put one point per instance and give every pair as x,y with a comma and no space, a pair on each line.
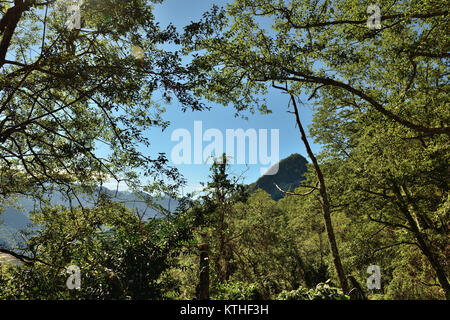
294,193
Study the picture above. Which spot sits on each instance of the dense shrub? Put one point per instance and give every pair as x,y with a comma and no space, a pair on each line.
237,291
323,291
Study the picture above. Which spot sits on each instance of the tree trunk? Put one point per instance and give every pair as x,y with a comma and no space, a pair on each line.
222,260
423,245
203,285
325,205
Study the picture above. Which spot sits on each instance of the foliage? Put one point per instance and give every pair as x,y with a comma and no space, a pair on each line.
119,257
323,291
66,92
236,291
380,101
381,108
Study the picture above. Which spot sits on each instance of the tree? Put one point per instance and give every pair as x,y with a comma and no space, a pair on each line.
325,200
268,252
392,79
65,92
379,176
214,214
326,47
119,257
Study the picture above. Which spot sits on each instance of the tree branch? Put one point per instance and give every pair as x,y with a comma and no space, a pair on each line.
294,193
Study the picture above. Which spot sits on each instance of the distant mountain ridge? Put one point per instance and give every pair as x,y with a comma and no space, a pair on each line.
289,176
13,220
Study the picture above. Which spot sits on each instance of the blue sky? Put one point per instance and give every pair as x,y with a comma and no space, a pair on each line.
181,13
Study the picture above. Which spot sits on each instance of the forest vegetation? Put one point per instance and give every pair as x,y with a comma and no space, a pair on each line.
377,193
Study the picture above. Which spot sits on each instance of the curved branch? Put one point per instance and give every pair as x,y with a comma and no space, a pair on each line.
24,259
301,77
294,193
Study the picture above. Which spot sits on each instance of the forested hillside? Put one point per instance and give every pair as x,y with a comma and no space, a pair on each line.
88,91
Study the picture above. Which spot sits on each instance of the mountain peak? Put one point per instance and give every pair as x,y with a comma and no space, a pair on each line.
289,176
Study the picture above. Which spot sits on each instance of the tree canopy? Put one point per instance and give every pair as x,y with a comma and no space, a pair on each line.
68,92
76,102
380,95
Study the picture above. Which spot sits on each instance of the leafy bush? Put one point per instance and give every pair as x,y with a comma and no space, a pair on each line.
119,257
237,291
323,291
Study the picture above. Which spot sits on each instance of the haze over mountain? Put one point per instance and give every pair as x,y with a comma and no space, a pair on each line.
15,219
289,176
